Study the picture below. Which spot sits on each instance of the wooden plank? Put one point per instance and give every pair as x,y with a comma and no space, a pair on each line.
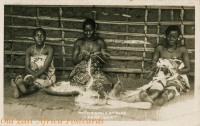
172,14
115,70
145,38
158,26
138,49
119,6
100,32
118,48
101,21
12,34
126,58
37,17
72,40
63,42
182,26
126,37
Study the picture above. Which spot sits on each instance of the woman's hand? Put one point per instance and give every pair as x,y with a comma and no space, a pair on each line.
179,71
85,55
29,79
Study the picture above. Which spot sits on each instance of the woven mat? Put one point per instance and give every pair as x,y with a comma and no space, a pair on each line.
178,107
40,99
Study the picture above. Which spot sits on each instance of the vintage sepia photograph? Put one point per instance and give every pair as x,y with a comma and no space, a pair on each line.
86,64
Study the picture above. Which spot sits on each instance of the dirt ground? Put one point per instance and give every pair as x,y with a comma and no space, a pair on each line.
40,105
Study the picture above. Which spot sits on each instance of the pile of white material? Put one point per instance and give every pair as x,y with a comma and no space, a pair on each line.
89,97
64,87
90,82
91,100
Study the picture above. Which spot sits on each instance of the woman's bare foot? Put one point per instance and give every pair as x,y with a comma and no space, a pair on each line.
20,84
16,91
162,100
117,88
144,97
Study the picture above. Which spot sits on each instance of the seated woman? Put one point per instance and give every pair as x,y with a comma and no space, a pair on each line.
89,54
173,62
39,67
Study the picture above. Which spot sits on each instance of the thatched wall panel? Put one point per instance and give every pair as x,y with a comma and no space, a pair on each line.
22,32
190,44
152,15
72,25
136,29
7,33
7,21
189,15
49,23
24,22
144,23
165,15
134,64
111,27
50,11
24,10
189,29
137,15
110,14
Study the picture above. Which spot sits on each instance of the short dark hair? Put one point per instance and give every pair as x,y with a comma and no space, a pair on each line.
173,28
89,21
39,29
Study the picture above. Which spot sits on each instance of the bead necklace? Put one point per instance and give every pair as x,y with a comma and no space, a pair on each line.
171,51
40,50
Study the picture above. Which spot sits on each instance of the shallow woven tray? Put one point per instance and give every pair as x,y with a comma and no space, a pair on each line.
51,92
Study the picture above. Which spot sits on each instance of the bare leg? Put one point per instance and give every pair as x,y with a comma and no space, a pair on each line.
153,94
16,91
161,100
171,94
20,84
145,97
117,88
165,97
31,89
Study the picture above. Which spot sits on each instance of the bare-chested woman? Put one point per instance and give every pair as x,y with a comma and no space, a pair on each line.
166,89
91,49
40,71
89,44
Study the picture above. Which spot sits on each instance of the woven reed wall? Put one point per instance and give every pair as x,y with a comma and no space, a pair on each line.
131,33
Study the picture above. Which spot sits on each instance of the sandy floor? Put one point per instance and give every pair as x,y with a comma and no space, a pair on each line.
41,105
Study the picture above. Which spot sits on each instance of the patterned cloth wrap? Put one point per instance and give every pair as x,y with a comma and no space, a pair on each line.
166,77
46,79
80,76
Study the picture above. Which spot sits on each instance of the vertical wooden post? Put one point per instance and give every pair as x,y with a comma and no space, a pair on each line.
63,40
158,26
182,26
37,16
145,38
94,14
126,52
172,14
12,46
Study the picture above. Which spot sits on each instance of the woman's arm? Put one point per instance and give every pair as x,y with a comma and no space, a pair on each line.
27,61
75,55
47,62
104,54
156,55
186,61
